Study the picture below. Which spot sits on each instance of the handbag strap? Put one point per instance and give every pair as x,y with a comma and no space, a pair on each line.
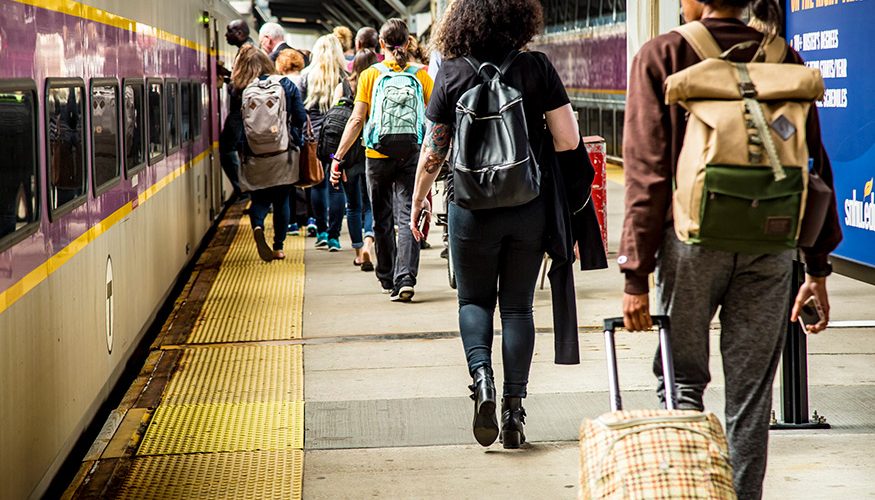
309,130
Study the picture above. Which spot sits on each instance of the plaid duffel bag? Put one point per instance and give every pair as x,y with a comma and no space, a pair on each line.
671,454
653,454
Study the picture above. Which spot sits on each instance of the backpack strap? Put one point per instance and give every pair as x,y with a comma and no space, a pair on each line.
775,48
508,61
382,68
479,67
698,36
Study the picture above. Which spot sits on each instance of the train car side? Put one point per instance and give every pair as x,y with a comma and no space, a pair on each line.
81,283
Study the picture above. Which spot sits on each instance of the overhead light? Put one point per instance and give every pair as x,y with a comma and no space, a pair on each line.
299,20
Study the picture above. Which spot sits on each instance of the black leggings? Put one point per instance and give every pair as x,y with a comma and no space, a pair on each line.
497,255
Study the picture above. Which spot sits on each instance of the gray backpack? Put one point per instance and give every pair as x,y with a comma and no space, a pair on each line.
265,121
492,160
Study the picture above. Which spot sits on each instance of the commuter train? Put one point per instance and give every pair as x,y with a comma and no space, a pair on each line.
109,180
586,42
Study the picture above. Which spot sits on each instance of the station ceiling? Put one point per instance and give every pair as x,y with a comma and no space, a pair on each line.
322,14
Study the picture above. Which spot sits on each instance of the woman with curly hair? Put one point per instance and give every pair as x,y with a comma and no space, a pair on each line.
496,252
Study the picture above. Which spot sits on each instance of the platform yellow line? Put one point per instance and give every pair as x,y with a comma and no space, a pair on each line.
256,475
231,419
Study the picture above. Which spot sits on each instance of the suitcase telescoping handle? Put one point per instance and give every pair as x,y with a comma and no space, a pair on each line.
664,325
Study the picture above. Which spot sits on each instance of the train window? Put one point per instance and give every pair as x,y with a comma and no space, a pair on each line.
135,128
206,95
156,121
621,117
197,114
172,100
65,117
608,131
560,15
593,11
105,162
19,185
185,112
594,122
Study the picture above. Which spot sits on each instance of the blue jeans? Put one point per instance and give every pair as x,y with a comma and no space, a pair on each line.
359,218
329,204
229,142
262,199
497,255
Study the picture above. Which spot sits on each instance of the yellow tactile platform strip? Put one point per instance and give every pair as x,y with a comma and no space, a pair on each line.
243,251
250,475
238,374
207,428
251,303
231,419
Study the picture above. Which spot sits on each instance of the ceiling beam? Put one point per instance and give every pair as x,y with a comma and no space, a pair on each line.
365,4
328,24
344,5
334,11
419,6
399,7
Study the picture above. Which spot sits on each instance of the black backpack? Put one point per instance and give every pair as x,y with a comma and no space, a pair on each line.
492,160
332,130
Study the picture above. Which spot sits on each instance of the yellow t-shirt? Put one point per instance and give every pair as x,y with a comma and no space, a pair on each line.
365,90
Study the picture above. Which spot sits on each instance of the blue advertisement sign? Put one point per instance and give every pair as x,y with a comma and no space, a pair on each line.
835,36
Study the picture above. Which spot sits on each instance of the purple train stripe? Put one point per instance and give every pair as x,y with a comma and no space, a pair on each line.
38,43
588,63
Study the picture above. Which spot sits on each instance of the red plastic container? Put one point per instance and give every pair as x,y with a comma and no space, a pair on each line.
595,147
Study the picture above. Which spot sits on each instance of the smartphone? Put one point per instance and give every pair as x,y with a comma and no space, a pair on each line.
423,216
810,314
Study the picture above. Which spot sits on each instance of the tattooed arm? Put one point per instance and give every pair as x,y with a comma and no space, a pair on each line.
434,152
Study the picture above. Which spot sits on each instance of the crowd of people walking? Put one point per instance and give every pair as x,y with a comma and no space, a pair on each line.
323,88
383,123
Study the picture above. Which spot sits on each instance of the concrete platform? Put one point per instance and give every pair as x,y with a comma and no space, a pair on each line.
387,413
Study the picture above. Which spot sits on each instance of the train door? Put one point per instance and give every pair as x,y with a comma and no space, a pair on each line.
212,108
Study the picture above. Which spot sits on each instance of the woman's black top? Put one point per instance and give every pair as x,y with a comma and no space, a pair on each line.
531,73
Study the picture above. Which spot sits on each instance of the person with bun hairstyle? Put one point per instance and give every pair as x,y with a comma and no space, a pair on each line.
390,179
693,281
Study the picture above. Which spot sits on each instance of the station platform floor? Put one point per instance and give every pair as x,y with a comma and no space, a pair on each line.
300,379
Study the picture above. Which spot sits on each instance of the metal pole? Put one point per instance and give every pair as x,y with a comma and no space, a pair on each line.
794,370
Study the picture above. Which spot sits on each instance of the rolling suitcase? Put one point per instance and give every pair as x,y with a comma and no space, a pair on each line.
652,454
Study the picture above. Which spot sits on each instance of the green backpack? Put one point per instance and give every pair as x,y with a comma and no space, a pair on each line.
742,176
396,127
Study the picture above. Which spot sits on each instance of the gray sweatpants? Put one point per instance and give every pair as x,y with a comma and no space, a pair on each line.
390,186
753,292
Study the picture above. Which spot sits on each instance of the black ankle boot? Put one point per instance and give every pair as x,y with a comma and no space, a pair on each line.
485,422
513,420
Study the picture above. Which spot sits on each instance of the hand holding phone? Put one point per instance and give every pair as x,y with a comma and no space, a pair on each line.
810,314
423,217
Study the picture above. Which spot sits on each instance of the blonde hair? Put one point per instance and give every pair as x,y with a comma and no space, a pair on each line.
289,61
344,34
251,63
325,71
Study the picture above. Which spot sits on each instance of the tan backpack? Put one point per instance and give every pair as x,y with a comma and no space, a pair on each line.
742,176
